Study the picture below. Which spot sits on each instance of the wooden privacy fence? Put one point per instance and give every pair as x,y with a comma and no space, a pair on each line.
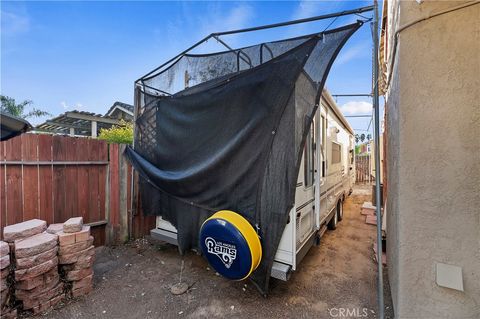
362,168
57,177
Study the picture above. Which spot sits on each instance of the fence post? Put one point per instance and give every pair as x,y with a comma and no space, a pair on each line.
114,193
108,228
123,186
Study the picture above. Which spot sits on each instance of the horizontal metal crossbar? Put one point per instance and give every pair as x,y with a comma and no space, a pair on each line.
305,20
340,95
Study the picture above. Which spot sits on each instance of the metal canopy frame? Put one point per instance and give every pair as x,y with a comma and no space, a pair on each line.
216,35
374,95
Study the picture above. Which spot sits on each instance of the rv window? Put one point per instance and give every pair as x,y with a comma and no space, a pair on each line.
309,157
336,153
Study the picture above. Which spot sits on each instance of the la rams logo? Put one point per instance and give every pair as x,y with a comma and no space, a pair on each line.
226,252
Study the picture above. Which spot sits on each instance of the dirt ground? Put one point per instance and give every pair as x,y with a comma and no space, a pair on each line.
134,281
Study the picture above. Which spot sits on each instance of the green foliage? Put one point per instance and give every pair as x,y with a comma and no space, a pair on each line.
121,134
358,149
11,107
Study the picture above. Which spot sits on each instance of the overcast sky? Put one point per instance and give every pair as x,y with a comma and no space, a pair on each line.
87,55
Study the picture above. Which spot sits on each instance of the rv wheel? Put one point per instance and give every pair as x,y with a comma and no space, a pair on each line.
340,210
317,240
332,224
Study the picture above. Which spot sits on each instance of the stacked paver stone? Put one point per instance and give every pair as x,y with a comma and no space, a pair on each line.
37,283
5,281
5,271
76,255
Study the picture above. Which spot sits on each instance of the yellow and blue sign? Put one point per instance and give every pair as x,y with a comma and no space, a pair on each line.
230,244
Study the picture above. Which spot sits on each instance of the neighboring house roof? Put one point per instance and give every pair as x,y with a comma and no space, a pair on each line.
124,107
80,121
12,126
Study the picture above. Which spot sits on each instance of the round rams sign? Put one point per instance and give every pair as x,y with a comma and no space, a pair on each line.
230,244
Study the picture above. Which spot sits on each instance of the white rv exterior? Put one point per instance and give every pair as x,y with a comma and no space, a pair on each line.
325,179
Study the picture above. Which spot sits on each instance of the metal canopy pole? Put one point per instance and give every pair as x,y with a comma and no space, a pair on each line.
282,24
216,37
381,310
366,115
263,27
342,95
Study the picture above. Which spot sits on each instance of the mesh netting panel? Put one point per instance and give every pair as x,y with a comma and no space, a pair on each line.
190,69
234,138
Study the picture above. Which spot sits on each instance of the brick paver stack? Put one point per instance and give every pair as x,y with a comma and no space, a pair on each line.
37,283
40,265
5,277
76,255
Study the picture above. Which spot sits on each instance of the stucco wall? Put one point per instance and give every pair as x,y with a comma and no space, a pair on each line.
433,162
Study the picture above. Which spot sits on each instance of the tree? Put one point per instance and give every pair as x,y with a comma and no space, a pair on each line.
11,107
121,134
362,137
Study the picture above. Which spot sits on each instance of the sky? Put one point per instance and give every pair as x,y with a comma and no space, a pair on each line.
87,55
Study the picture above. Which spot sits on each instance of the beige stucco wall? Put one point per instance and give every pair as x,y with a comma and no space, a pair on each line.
433,159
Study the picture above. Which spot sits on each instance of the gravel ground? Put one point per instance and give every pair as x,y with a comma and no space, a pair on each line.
133,281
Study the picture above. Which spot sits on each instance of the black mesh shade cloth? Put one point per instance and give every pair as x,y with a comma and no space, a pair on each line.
232,139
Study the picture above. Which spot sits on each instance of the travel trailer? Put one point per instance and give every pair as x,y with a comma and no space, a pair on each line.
325,179
244,153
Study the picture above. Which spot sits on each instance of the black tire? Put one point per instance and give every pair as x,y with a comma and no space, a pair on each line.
317,240
340,210
332,224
